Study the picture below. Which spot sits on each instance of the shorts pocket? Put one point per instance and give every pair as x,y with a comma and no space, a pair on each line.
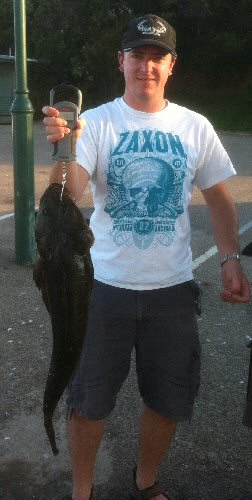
197,294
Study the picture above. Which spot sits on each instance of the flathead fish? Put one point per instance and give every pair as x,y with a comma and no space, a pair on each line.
64,274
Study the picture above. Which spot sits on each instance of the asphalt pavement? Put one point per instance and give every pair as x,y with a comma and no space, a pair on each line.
210,458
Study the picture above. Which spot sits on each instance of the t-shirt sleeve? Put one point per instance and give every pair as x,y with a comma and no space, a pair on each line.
214,164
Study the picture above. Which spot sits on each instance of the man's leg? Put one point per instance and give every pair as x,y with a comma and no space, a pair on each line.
103,367
84,439
156,433
168,367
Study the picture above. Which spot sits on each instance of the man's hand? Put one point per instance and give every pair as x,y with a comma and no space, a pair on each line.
235,283
56,127
77,176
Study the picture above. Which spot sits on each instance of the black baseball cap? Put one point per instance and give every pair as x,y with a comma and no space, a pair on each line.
149,30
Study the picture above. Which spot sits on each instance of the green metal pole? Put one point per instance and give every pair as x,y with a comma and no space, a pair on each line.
23,146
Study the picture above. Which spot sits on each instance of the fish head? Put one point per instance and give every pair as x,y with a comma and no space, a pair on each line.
60,226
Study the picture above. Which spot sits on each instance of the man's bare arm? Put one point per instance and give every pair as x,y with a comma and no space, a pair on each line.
76,178
224,222
223,217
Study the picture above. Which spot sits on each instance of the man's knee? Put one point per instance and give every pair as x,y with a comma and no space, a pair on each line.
77,419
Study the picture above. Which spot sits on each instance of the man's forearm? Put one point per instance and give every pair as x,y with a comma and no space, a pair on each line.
225,229
76,177
224,219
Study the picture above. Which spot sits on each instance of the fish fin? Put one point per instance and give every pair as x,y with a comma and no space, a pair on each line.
39,273
39,276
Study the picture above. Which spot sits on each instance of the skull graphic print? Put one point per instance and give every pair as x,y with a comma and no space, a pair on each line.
145,188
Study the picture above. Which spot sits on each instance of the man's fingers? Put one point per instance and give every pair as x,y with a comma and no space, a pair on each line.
233,298
80,123
54,122
50,111
56,133
56,128
238,294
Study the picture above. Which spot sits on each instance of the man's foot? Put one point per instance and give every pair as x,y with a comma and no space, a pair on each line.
155,492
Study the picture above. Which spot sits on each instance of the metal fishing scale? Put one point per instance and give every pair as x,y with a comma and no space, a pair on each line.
64,149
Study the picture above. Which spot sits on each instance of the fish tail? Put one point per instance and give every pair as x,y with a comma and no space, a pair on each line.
51,434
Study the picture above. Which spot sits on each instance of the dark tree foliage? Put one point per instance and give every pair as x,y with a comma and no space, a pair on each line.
6,28
77,42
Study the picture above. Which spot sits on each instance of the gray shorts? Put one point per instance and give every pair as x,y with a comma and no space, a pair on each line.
162,327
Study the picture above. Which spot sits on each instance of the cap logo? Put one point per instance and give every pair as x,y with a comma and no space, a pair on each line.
146,29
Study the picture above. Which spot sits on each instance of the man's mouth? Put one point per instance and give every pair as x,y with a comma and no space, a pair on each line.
143,79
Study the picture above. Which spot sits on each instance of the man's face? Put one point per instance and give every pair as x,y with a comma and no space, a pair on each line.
146,70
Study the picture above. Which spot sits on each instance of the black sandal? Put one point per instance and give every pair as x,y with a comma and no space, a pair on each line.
150,492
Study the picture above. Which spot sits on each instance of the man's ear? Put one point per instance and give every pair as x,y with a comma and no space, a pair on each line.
121,61
173,61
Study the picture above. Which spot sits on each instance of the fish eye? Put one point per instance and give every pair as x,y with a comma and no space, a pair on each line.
44,211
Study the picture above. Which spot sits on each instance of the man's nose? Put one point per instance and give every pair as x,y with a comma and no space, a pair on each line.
147,65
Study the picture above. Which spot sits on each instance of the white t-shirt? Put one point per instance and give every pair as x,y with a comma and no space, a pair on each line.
142,169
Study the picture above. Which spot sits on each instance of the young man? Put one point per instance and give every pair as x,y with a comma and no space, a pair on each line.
142,155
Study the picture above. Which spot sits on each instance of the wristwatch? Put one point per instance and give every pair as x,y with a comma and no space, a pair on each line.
229,256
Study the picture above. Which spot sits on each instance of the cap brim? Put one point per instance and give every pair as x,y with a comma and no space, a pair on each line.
143,42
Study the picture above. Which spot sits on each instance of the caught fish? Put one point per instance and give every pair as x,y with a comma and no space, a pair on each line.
64,274
247,416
